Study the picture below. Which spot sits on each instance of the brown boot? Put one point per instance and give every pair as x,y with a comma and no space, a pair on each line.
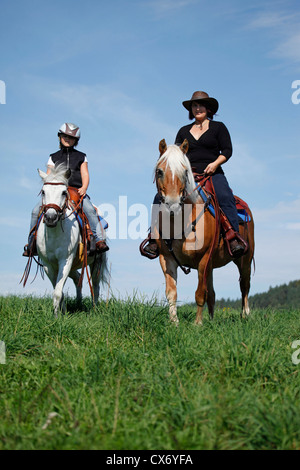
30,248
237,249
101,246
26,251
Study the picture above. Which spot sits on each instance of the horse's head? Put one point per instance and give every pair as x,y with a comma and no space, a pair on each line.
54,194
173,175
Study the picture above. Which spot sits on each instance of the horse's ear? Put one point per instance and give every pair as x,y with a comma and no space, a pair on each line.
162,146
184,146
42,174
68,173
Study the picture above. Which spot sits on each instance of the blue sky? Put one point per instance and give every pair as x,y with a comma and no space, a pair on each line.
120,70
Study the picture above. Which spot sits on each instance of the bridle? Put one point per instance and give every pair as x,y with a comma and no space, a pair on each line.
183,197
58,209
169,242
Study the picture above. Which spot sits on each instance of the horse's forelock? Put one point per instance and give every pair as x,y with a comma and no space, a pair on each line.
178,163
175,160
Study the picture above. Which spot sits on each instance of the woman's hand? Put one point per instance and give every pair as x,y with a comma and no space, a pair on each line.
212,167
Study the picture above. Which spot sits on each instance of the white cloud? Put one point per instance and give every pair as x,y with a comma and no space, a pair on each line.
282,215
285,30
12,221
244,168
289,48
102,103
293,226
271,20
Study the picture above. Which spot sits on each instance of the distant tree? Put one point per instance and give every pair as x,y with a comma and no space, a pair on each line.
285,295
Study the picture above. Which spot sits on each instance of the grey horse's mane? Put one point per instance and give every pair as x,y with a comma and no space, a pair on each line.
57,174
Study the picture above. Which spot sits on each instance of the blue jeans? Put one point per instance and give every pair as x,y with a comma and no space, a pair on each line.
225,198
89,211
93,219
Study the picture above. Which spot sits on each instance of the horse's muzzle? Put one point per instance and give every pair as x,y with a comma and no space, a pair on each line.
173,208
52,214
51,217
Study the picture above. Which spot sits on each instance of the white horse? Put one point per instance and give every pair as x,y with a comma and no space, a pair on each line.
58,238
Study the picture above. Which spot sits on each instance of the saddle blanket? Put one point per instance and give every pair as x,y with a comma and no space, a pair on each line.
241,207
102,221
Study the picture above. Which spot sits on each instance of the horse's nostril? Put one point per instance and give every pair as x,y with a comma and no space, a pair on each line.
51,217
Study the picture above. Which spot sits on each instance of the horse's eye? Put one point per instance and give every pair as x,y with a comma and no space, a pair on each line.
159,173
43,192
64,193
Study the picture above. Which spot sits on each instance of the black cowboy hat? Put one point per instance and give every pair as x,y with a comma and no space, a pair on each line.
202,97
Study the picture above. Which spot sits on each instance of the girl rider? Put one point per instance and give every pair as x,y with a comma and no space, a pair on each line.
69,135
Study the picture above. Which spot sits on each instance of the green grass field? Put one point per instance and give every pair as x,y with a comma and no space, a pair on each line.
122,377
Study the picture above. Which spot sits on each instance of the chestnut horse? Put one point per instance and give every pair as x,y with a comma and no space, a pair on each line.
192,239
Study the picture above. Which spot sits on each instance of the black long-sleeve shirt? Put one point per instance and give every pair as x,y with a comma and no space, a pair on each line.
214,142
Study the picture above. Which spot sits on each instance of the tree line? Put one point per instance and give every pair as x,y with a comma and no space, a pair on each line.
285,295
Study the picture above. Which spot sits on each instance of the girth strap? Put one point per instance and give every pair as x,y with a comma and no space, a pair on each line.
169,244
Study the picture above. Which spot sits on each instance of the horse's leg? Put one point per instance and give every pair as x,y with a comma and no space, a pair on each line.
169,267
75,276
201,292
95,270
63,273
210,295
244,266
52,275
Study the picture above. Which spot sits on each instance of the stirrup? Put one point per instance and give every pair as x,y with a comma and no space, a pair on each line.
242,247
145,249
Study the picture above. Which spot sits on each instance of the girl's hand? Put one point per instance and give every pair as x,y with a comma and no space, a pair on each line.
82,191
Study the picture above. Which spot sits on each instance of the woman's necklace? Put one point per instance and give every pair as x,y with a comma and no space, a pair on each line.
200,125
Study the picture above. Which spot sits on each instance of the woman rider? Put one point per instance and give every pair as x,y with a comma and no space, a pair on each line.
209,148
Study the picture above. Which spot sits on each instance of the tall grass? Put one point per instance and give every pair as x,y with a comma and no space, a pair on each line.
120,376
